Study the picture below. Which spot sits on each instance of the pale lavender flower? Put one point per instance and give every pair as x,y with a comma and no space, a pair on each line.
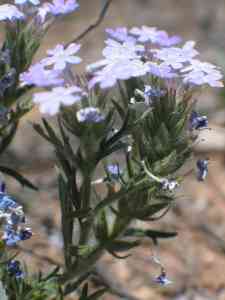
120,34
121,70
22,2
199,73
43,11
115,51
176,57
10,12
151,34
50,102
37,75
63,7
90,115
122,61
60,57
161,70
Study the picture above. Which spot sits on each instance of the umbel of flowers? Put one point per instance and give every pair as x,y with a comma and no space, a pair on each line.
133,117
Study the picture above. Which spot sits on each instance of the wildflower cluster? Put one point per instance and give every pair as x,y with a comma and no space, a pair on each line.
134,121
13,221
146,50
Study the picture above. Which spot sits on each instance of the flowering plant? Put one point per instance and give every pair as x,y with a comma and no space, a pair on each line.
134,121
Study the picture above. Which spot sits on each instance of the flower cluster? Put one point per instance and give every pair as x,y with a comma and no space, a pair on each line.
9,12
54,72
13,221
148,51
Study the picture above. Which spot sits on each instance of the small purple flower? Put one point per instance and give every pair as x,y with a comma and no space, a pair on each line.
6,202
10,12
176,57
120,34
10,236
50,102
199,73
22,2
161,70
162,279
114,171
122,61
197,121
151,94
90,115
151,34
25,234
202,168
63,7
37,75
14,269
59,57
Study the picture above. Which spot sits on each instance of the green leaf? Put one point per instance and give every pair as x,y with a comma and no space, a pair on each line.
22,180
101,228
121,246
153,234
118,256
119,109
82,250
73,286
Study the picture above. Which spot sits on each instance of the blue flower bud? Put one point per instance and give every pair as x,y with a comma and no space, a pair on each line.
197,121
202,169
14,269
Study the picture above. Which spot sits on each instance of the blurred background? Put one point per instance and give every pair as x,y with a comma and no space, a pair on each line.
195,260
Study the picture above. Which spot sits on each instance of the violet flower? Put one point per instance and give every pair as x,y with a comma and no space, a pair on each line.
202,168
122,61
50,102
59,57
161,70
197,121
37,75
90,115
10,12
199,73
162,279
120,34
14,269
151,34
176,57
63,7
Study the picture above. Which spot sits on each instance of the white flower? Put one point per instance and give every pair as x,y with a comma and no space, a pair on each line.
50,102
60,57
10,12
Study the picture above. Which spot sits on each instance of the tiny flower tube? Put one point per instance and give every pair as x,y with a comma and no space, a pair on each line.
202,169
14,269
